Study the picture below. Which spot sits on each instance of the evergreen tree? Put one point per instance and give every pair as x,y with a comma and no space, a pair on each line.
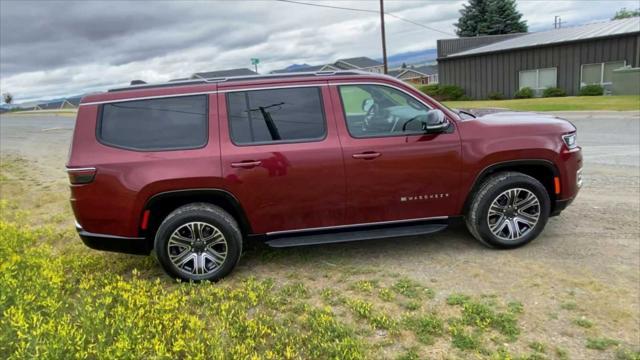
624,13
490,17
404,65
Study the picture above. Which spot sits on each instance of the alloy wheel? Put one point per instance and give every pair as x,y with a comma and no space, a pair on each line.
513,214
197,248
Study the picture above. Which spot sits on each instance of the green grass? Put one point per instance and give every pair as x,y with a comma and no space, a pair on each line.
582,322
538,347
569,103
600,343
426,327
77,305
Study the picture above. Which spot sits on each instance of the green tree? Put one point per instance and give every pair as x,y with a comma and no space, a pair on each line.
7,97
490,17
404,65
624,13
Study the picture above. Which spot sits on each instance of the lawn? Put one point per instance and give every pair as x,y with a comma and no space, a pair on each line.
569,103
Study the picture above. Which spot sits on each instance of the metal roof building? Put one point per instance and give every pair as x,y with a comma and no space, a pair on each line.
567,58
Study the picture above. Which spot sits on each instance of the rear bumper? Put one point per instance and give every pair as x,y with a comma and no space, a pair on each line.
127,245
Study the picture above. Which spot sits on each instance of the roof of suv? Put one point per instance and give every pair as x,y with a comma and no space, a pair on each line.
193,86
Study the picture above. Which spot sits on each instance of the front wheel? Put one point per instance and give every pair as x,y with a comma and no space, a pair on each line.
198,242
509,210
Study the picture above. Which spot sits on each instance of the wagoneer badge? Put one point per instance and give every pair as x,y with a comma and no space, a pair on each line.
424,197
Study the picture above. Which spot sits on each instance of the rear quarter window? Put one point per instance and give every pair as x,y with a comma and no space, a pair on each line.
155,124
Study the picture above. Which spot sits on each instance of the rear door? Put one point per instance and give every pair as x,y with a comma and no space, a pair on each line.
394,171
281,156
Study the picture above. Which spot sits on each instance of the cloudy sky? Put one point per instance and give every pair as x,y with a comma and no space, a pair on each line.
50,49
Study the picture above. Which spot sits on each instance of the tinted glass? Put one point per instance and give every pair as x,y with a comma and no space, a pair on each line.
608,70
546,78
528,78
264,116
591,74
376,110
156,124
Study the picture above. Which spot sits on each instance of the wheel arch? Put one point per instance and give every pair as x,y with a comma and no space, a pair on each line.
161,204
540,169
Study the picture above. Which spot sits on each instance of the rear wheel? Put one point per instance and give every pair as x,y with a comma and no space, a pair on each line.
508,210
198,242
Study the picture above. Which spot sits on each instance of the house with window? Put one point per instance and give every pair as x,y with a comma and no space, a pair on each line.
310,68
568,58
360,63
423,75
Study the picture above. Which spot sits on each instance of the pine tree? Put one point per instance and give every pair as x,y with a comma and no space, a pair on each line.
490,17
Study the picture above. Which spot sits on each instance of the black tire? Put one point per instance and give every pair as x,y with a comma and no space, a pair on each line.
477,216
212,217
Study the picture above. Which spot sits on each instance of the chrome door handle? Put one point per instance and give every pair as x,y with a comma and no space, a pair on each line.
368,155
246,164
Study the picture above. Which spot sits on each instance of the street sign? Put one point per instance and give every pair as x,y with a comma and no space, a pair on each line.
255,61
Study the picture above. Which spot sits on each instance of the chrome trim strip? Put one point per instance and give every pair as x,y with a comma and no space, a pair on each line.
355,225
256,88
80,169
272,87
147,98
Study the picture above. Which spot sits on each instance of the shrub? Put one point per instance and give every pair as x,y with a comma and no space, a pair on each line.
443,92
431,89
524,93
495,96
451,92
591,90
553,92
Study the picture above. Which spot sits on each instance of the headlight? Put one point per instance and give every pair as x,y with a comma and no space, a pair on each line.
570,140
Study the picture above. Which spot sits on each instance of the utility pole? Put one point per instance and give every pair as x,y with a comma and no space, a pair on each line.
384,41
557,22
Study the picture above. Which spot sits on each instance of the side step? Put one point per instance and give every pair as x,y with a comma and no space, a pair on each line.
280,241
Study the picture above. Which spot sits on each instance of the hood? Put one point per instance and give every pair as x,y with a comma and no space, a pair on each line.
530,122
516,130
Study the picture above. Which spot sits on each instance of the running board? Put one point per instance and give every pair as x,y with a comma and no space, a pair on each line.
354,235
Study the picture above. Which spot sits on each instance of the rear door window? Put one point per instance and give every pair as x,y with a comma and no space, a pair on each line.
155,124
276,115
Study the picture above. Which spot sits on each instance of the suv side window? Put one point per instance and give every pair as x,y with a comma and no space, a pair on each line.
276,115
155,124
378,110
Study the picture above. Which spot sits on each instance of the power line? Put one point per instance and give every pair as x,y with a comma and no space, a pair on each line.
367,11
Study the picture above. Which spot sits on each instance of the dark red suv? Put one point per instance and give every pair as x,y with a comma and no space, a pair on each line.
192,169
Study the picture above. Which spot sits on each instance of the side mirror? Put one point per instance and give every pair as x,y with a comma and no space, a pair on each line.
367,104
436,122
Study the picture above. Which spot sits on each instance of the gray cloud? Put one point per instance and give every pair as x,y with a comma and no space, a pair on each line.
52,48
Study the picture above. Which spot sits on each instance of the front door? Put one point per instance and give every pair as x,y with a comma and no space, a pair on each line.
281,157
394,170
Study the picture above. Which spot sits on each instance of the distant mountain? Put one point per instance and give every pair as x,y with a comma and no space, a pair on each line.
412,57
420,57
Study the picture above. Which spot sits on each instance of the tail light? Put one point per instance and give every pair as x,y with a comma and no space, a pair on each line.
78,176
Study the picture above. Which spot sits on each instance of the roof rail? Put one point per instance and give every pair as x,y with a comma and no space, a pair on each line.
240,78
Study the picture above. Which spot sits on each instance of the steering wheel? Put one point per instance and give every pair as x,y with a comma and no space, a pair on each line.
371,113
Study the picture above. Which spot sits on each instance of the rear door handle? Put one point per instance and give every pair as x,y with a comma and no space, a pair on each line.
367,155
246,164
